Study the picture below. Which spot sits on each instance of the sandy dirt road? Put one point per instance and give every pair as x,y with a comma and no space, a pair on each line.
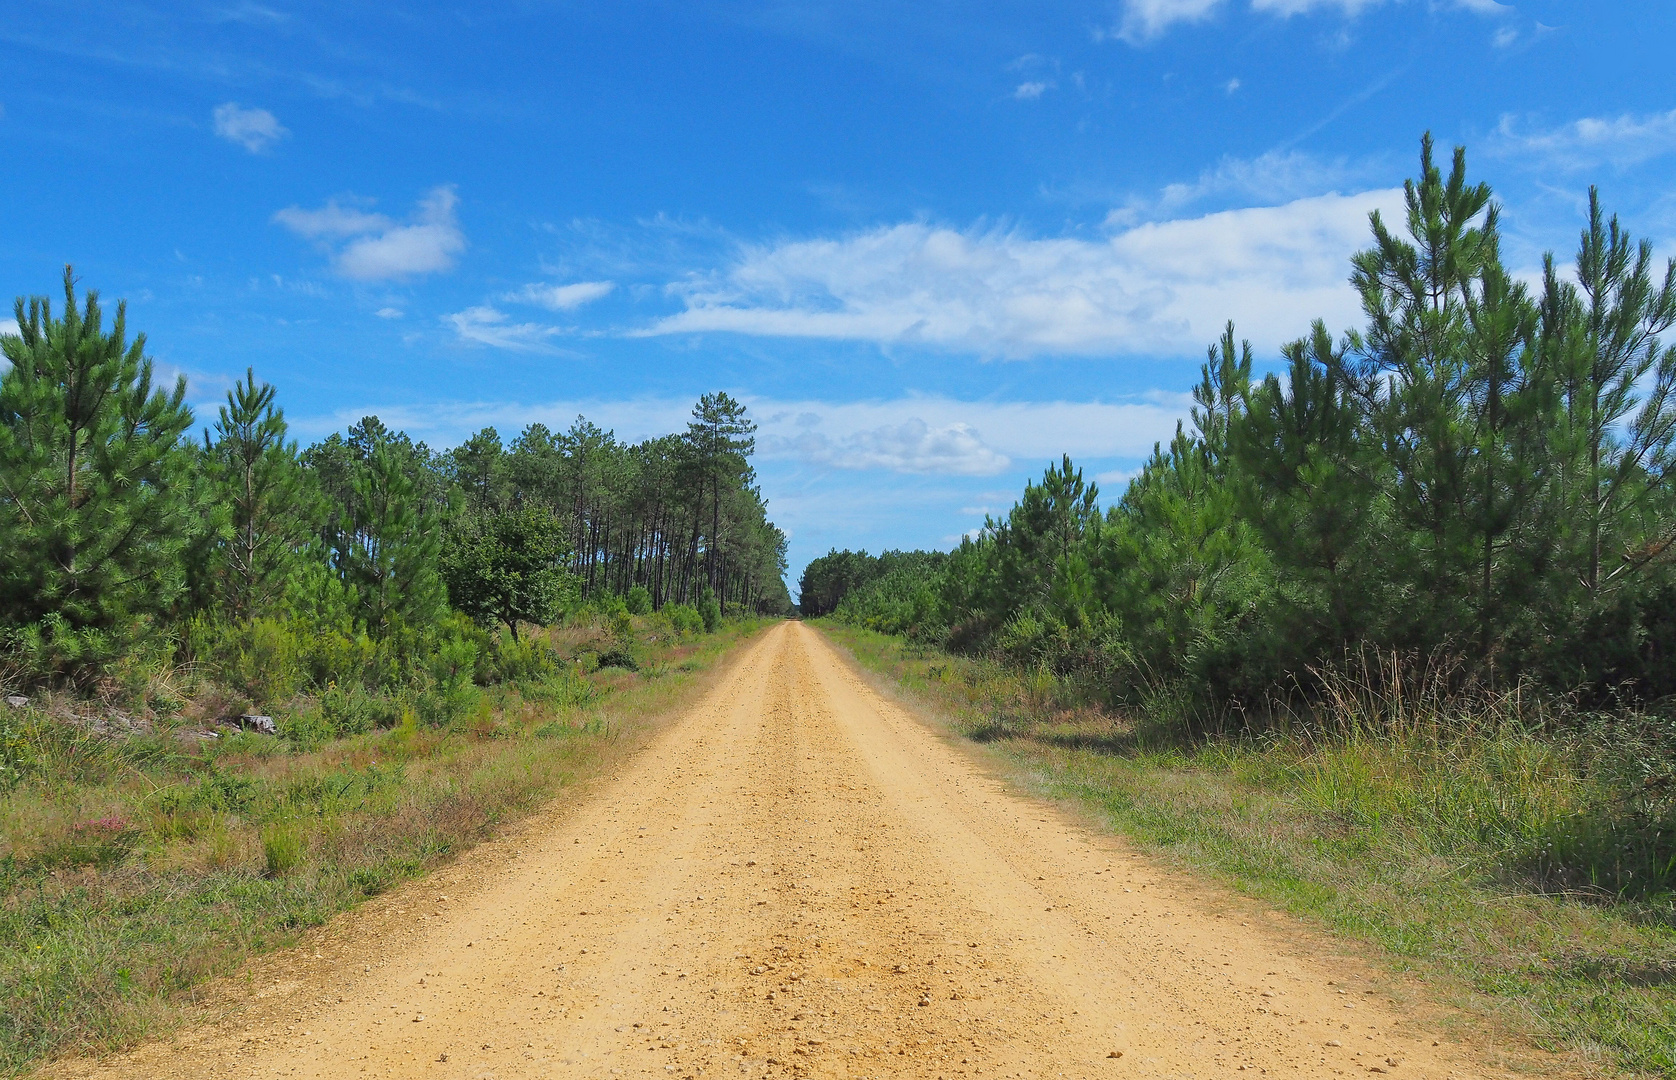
799,878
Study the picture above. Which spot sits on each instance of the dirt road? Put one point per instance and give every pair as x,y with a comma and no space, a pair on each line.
798,878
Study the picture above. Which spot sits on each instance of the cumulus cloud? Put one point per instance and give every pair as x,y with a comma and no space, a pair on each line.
388,313
562,297
1156,288
253,129
1590,142
368,246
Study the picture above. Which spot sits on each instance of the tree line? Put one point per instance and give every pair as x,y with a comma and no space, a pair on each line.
123,530
1482,470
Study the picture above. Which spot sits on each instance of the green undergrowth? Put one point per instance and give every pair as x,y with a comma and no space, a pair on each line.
1521,873
134,866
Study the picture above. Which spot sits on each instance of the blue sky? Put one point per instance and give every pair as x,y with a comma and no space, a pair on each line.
932,245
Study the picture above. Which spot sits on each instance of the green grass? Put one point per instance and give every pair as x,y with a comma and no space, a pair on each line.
1522,876
133,869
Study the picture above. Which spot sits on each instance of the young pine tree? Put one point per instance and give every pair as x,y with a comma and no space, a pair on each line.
265,501
93,514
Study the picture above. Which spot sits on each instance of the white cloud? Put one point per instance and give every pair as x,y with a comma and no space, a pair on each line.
1144,20
1230,86
253,129
921,434
331,221
1158,288
373,248
1030,91
485,325
388,313
910,447
1588,143
1272,178
562,297
939,435
1288,8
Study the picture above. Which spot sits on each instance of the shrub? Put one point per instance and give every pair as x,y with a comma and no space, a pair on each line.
526,660
351,710
710,613
638,601
264,660
618,658
683,618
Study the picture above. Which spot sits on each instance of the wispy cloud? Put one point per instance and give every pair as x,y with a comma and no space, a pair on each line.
1030,91
1588,143
484,325
1275,177
1144,20
912,446
1157,288
1288,8
331,222
253,129
917,435
561,297
371,247
935,435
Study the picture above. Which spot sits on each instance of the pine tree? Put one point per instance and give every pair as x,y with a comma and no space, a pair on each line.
93,515
268,506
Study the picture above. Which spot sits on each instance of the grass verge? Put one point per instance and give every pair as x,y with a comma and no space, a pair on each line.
1437,856
133,868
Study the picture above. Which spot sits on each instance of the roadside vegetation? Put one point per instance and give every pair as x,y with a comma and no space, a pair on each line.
1387,634
246,684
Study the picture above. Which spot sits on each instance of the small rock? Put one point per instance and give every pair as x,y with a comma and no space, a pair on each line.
418,1018
16,701
1334,1042
442,1057
1115,1054
262,725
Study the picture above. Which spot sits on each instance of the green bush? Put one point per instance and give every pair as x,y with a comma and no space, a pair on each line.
682,618
638,601
264,660
709,613
618,658
525,660
352,710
